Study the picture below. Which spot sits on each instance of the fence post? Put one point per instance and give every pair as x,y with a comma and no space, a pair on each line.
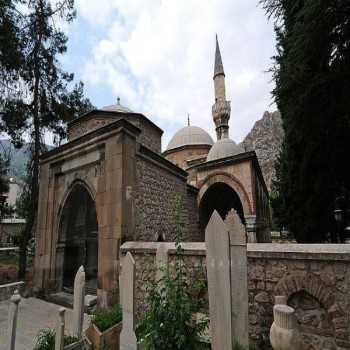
78,304
12,324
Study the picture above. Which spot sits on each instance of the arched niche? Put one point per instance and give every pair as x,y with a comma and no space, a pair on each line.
220,197
78,238
315,324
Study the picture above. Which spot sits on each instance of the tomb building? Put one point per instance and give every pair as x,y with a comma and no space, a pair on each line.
111,183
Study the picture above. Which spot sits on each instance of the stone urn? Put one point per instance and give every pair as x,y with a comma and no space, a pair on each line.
284,333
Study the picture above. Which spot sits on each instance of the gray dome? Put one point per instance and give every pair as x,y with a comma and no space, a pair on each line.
190,135
224,148
117,108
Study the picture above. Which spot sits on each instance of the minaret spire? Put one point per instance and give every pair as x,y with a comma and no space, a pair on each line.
218,67
221,109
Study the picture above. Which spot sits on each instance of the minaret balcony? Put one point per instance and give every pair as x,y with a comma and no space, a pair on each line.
221,108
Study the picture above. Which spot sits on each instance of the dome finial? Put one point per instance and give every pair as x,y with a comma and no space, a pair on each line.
188,119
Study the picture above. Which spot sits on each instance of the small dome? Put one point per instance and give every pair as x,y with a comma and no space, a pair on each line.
190,135
117,108
224,148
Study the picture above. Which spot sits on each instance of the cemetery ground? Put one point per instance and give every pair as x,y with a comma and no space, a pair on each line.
33,315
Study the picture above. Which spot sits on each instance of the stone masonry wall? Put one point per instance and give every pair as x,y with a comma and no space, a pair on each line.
315,278
154,203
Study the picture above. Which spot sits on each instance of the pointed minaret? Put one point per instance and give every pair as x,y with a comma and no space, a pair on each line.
221,109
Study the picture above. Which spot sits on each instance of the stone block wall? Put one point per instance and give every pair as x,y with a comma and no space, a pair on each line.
315,278
158,183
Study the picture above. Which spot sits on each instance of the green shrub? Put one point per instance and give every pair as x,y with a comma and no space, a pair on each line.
45,340
168,323
106,319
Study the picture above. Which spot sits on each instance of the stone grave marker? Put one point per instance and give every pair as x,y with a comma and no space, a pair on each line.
128,339
239,283
218,272
13,315
78,304
59,340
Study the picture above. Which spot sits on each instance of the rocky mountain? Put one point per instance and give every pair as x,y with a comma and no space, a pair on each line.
266,139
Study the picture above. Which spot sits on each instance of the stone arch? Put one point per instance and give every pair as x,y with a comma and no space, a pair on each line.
77,235
222,192
313,286
231,181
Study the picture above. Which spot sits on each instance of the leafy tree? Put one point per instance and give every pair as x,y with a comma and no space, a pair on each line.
312,75
36,97
4,186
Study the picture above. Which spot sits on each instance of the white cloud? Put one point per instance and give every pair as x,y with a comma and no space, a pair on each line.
158,56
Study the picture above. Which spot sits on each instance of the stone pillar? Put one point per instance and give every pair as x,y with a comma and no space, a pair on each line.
78,305
59,340
239,282
218,272
128,339
250,221
12,323
284,334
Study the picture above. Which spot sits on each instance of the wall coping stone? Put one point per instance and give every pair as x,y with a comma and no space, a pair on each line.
333,252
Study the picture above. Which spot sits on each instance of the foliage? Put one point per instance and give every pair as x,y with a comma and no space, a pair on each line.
107,319
36,95
45,340
312,74
169,321
4,186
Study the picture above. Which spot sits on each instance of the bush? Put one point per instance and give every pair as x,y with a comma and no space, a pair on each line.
169,322
45,340
106,319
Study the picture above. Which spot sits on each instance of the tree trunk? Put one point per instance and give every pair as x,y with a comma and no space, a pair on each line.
34,169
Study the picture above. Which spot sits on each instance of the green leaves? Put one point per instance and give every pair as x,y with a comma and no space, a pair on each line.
107,319
170,320
312,75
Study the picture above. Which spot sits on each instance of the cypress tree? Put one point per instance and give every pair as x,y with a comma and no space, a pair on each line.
312,76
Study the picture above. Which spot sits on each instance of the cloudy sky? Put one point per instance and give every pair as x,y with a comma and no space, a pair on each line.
158,56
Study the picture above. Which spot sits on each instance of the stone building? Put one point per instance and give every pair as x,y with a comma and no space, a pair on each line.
110,183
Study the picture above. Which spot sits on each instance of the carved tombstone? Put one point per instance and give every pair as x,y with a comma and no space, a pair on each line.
78,305
59,340
218,272
128,339
161,261
239,283
12,323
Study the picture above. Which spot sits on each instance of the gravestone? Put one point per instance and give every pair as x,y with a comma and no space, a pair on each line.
161,261
128,339
78,304
239,283
13,315
59,340
218,271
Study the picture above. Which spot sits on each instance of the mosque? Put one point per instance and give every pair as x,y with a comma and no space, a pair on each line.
111,183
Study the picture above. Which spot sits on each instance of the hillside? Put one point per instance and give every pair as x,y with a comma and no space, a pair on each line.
266,138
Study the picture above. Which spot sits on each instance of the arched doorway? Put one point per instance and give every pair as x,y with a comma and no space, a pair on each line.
78,237
222,198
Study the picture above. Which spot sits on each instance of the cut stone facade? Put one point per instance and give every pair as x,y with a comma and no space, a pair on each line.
314,278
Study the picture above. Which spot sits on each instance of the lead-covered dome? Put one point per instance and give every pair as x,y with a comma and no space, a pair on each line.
117,108
190,135
224,148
